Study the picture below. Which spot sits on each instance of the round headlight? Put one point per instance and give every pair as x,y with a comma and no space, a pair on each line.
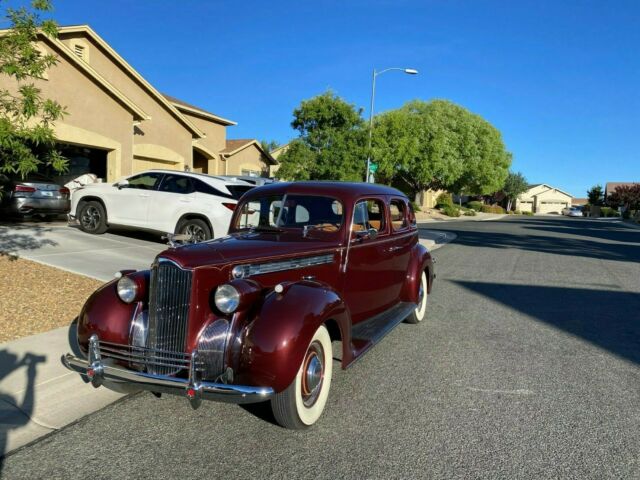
127,289
227,298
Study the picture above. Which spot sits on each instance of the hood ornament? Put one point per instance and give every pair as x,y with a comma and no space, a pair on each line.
177,239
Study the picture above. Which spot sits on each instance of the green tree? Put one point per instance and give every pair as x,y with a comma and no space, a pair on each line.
595,195
514,185
269,145
331,142
436,145
27,142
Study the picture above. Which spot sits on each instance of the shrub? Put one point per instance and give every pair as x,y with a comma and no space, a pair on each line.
492,209
475,205
470,213
528,214
451,211
415,206
444,200
609,212
626,214
518,212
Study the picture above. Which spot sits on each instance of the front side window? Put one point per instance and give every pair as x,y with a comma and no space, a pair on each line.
368,214
144,181
291,212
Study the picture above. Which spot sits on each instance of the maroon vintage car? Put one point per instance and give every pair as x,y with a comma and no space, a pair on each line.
251,317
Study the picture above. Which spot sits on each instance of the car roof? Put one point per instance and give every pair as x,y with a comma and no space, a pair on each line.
210,179
343,190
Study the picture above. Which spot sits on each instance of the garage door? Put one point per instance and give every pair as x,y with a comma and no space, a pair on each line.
525,206
141,164
550,206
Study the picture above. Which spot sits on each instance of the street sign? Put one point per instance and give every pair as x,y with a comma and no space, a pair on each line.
373,167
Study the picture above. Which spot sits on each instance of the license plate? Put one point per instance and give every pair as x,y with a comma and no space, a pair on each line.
47,194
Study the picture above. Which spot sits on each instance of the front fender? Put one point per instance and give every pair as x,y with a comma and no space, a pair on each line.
106,315
277,339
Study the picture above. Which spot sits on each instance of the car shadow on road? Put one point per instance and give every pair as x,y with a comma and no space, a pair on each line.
608,319
15,414
18,237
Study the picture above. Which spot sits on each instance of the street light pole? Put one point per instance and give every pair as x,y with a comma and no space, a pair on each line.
409,71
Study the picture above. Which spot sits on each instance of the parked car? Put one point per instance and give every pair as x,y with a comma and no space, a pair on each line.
257,181
196,205
572,211
35,194
251,317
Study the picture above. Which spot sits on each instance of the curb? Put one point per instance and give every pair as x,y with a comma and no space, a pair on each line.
440,238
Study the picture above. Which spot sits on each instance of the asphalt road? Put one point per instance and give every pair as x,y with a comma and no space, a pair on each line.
528,366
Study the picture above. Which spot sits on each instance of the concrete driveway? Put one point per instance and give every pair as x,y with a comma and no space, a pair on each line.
68,248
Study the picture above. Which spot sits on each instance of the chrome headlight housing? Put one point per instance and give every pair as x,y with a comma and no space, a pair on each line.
127,289
227,298
211,348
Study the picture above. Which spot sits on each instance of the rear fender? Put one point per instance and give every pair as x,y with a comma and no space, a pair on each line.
277,339
420,261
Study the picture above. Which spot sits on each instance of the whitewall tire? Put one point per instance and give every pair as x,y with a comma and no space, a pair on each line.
421,309
302,403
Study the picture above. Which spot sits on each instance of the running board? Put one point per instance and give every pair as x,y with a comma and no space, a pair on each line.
366,334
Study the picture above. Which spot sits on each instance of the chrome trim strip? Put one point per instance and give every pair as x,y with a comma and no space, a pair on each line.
166,384
249,270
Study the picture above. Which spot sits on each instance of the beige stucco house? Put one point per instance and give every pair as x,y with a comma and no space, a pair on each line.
118,123
543,198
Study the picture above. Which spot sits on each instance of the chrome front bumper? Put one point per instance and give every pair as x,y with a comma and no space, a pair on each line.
121,379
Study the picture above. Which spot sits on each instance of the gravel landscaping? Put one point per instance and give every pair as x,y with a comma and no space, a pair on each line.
35,298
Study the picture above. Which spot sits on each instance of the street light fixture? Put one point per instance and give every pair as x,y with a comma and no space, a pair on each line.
408,71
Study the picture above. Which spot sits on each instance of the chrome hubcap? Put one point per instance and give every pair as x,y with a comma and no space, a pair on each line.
195,232
312,374
91,218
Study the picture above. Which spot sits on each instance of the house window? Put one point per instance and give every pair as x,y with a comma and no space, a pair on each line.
251,173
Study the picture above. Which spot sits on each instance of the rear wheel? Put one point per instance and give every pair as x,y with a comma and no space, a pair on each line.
421,309
93,218
302,403
197,229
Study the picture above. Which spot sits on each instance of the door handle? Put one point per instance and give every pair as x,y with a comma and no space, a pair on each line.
393,249
144,195
185,200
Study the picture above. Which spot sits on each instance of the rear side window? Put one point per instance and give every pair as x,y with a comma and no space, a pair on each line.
177,184
236,190
397,211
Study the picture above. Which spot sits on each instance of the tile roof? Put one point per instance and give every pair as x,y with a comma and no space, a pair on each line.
611,187
182,103
233,145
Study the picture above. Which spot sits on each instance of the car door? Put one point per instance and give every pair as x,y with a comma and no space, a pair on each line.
368,286
128,204
174,197
403,237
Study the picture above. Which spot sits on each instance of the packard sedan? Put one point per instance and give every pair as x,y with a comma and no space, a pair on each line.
251,317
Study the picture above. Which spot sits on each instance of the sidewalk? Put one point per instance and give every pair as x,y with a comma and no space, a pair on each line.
37,394
479,217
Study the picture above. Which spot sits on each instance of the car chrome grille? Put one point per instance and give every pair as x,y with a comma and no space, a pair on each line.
169,295
154,360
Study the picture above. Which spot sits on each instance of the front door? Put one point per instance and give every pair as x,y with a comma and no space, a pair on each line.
369,284
129,205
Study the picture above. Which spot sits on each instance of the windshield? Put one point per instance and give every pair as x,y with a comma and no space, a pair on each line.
291,211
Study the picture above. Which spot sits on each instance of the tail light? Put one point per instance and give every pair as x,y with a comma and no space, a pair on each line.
230,206
64,191
23,191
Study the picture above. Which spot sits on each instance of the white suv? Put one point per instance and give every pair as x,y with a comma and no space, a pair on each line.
162,200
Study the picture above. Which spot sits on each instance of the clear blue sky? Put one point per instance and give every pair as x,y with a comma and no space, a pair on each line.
561,79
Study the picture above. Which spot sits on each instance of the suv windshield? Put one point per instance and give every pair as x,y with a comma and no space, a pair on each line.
291,211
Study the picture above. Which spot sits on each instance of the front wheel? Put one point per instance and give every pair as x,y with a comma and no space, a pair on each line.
93,218
302,403
421,309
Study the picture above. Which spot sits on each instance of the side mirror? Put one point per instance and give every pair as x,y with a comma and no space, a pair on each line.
122,184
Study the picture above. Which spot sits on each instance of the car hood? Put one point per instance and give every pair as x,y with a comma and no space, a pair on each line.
240,248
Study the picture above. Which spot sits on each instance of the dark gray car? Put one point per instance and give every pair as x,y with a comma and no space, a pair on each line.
33,195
